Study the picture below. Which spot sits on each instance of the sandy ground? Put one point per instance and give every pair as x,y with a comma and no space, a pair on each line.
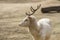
12,13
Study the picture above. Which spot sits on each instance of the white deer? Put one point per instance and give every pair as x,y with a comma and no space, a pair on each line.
40,30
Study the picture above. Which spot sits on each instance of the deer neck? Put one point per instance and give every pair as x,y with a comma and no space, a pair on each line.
33,25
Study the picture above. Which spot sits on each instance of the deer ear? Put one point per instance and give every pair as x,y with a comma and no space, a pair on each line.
29,17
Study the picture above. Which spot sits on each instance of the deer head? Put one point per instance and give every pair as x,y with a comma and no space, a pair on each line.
26,20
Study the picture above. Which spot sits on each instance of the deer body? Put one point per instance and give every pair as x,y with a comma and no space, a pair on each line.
45,28
40,30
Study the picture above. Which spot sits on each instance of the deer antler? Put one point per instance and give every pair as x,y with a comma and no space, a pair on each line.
33,10
27,13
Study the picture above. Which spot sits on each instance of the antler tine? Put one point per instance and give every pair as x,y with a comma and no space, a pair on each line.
38,7
28,14
33,10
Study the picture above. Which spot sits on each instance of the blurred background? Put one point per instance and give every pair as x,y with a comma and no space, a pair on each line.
13,11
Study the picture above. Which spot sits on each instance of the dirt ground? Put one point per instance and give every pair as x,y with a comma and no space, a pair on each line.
12,13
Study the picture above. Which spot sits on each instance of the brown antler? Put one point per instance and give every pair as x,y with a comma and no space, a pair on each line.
33,10
28,14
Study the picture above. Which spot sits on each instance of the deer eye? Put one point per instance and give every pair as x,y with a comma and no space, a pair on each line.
26,20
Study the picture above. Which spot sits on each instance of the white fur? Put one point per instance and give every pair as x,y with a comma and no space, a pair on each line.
40,30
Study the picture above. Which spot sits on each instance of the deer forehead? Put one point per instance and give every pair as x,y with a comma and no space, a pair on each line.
28,18
33,16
